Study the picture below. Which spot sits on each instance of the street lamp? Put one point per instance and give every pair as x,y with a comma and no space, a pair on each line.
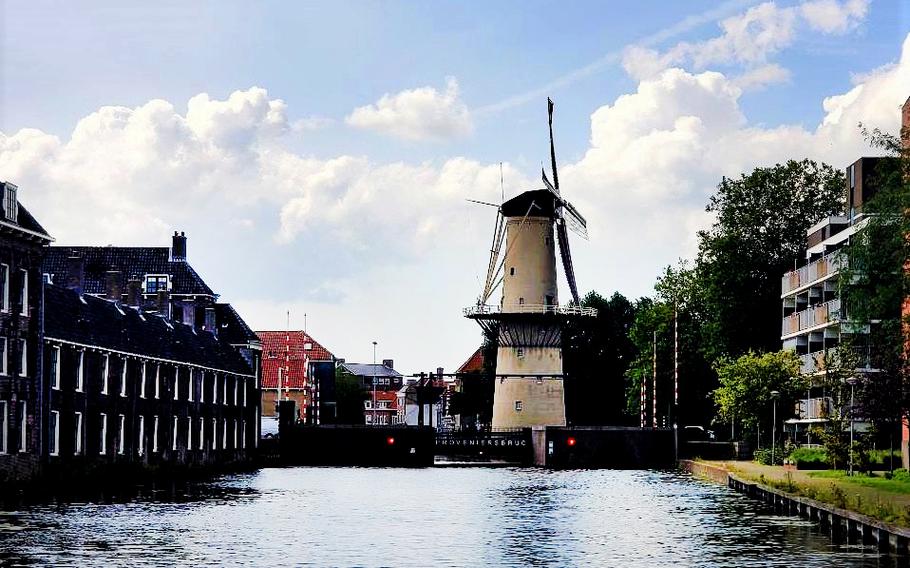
374,384
852,382
774,395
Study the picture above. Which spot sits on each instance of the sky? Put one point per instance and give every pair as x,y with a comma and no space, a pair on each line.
319,156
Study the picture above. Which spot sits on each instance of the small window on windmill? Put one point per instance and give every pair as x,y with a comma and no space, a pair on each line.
521,301
517,406
512,271
520,352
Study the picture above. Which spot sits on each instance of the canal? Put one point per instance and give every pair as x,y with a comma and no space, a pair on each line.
422,517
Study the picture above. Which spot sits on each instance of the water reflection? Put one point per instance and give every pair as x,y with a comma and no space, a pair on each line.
427,517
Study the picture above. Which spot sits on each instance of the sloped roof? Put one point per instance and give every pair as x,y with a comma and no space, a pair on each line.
473,364
390,396
92,321
282,349
29,223
370,370
231,327
130,261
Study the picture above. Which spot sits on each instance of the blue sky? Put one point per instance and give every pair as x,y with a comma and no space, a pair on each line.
293,199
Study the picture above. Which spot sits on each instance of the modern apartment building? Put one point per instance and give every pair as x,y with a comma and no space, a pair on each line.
815,320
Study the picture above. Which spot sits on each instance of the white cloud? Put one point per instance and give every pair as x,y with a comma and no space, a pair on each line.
417,114
750,38
831,16
375,250
762,77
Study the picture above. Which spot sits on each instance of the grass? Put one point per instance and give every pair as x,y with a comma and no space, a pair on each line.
884,499
898,484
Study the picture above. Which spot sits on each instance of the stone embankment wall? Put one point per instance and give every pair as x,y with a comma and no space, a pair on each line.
841,525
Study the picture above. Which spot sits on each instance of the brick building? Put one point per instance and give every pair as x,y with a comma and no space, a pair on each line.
116,357
22,242
302,370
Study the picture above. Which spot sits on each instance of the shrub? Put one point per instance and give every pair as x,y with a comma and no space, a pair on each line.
763,456
809,458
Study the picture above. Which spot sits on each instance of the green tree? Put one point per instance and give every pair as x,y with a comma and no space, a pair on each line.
596,353
746,384
758,234
349,398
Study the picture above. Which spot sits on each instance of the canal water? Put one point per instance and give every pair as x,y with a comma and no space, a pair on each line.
422,517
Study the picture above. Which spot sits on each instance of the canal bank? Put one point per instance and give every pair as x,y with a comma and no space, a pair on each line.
842,525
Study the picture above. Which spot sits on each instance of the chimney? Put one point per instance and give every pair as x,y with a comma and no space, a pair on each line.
390,363
189,313
74,273
164,303
134,295
178,247
112,285
210,325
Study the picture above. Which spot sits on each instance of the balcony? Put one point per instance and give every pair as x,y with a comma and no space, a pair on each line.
813,409
829,312
482,310
811,363
814,271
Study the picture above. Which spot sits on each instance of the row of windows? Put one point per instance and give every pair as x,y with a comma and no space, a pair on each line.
194,431
236,395
5,289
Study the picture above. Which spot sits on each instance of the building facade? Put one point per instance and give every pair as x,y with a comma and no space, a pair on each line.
22,245
130,388
115,357
294,368
815,320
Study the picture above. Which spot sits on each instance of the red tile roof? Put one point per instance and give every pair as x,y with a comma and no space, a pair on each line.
474,362
391,396
282,349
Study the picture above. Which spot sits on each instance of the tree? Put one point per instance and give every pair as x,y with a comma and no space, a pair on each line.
474,400
746,384
758,234
349,397
596,353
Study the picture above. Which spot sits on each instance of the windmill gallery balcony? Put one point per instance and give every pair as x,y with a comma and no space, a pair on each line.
816,316
483,310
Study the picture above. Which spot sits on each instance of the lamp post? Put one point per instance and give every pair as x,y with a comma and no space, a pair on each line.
852,382
374,384
774,395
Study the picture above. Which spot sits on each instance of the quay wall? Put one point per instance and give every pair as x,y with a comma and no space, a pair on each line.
843,526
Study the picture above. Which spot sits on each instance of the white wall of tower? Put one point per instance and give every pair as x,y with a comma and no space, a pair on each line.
530,263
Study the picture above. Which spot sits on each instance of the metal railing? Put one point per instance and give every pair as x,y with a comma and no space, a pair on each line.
812,272
816,361
820,314
485,309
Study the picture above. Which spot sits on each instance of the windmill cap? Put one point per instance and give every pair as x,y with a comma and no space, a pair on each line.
543,200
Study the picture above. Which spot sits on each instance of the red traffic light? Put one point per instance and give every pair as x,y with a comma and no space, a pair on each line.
390,440
571,441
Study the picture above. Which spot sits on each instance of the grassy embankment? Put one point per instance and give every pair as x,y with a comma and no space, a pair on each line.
873,495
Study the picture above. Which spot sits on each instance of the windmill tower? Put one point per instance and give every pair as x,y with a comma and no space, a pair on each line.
529,319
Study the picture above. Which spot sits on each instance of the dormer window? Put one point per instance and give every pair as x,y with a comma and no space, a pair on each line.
10,205
156,282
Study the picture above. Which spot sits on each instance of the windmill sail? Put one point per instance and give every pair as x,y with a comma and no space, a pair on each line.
563,239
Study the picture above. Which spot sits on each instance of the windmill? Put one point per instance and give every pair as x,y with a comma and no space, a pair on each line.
565,218
528,322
